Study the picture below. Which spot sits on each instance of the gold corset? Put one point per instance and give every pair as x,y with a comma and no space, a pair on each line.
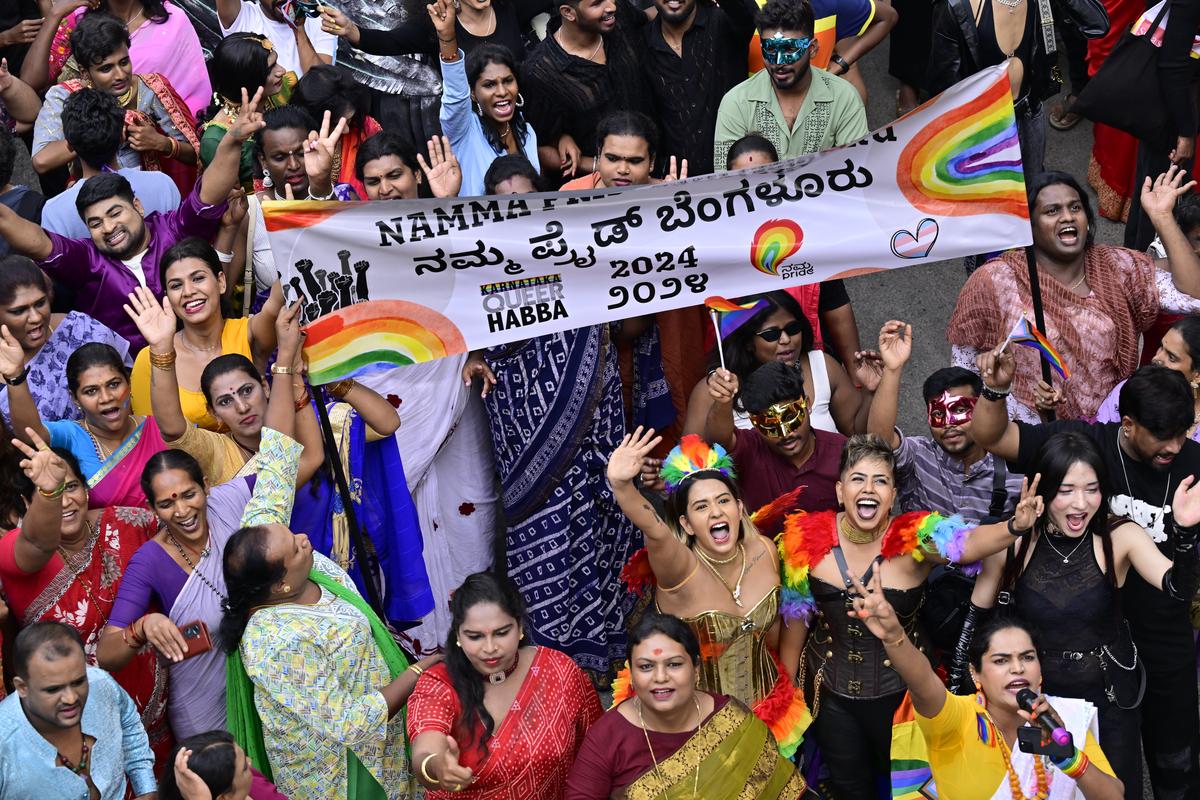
734,658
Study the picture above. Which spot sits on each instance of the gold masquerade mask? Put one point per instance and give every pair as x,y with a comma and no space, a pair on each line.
781,419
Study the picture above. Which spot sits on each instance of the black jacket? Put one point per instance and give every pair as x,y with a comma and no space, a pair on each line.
955,51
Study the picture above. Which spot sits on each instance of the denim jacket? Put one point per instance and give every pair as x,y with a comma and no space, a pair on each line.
27,760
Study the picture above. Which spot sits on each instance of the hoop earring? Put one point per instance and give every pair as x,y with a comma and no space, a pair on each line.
520,101
267,182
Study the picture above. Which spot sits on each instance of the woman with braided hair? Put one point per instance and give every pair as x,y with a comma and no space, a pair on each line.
712,568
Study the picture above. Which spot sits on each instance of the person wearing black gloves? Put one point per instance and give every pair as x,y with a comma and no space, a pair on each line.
1147,455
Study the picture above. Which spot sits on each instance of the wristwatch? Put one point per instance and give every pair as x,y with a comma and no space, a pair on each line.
17,381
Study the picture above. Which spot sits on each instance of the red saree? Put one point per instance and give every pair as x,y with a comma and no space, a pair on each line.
78,589
535,744
184,175
352,138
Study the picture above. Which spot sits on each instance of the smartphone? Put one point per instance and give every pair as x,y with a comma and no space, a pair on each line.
1030,740
197,638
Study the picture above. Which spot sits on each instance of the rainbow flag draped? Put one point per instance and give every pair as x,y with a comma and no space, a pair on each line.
1025,333
731,315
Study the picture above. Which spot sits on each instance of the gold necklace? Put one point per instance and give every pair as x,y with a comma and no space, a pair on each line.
853,534
126,96
100,449
462,21
650,747
712,560
1077,283
183,339
736,589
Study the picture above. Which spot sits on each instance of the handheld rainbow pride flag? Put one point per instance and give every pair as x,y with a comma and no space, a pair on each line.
728,316
1025,333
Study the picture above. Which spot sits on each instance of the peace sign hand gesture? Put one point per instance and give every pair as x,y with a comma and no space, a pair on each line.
319,150
626,461
41,465
873,609
1030,506
249,118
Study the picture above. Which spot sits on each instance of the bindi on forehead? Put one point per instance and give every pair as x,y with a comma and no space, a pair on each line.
658,651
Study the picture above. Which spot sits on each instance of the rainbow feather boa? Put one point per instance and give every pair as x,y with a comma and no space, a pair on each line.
808,538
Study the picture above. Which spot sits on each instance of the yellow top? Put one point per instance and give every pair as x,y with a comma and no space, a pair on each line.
965,768
235,338
217,454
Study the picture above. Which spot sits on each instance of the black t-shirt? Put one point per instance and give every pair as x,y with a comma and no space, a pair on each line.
1160,624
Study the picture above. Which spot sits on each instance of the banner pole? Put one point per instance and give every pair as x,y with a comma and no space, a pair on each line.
1039,317
712,312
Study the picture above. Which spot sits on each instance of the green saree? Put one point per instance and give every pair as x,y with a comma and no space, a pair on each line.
737,758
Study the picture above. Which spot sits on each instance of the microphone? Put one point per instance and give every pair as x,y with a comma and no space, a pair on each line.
1026,699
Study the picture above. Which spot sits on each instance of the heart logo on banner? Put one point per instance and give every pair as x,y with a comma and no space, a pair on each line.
905,244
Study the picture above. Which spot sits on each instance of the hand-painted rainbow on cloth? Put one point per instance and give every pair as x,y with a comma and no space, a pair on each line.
808,538
968,161
376,335
774,242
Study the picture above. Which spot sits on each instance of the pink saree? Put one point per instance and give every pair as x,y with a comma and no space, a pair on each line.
118,481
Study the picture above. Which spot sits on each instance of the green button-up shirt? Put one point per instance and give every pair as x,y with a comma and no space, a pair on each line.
832,114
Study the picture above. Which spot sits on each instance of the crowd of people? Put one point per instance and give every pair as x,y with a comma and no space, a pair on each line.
220,581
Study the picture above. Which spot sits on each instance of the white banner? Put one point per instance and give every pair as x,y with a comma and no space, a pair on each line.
399,282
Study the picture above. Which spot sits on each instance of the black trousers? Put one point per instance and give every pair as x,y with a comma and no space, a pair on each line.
855,737
1171,733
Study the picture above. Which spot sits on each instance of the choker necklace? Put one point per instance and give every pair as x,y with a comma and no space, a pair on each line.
736,589
853,534
700,552
1052,531
650,747
497,678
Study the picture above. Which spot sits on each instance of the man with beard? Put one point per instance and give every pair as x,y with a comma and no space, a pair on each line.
799,108
66,714
126,242
577,75
296,37
946,471
782,450
694,53
1147,454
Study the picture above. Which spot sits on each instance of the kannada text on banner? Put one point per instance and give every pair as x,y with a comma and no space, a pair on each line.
398,282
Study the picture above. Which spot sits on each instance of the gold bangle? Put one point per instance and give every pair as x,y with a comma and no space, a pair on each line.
57,493
276,369
898,642
162,360
424,774
342,388
416,670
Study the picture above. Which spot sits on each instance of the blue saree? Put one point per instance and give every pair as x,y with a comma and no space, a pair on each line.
385,513
555,416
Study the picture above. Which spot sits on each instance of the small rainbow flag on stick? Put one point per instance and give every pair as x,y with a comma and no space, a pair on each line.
728,316
1025,333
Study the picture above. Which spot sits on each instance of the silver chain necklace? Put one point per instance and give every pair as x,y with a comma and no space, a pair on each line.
1067,558
1162,509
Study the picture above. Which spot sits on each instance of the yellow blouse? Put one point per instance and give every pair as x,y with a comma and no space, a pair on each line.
235,338
965,768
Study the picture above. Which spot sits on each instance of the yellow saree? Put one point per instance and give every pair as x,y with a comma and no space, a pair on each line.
737,759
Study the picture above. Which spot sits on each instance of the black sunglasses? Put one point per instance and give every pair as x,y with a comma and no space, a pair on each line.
792,329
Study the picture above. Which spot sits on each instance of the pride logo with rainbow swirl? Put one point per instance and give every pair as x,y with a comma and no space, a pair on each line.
775,241
376,335
967,161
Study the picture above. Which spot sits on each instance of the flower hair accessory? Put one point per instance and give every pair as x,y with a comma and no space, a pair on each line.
693,455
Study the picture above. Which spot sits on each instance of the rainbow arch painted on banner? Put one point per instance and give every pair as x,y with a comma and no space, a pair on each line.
377,335
967,161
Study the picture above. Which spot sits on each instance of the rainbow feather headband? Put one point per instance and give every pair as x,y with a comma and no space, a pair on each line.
693,455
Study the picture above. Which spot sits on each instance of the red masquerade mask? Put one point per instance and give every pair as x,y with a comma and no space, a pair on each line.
951,410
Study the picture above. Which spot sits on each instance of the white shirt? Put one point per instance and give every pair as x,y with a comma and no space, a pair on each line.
135,266
251,19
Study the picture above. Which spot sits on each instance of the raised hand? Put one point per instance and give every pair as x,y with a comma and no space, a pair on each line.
1185,507
997,368
337,23
441,170
236,208
164,635
677,170
722,386
895,344
155,320
1046,397
319,151
476,367
872,607
627,460
1030,507
453,775
442,15
249,119
289,333
6,77
64,7
1159,194
191,786
41,465
12,355
868,369
24,32
569,155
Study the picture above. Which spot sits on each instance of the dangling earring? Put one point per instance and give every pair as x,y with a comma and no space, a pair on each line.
520,101
478,108
267,182
980,698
